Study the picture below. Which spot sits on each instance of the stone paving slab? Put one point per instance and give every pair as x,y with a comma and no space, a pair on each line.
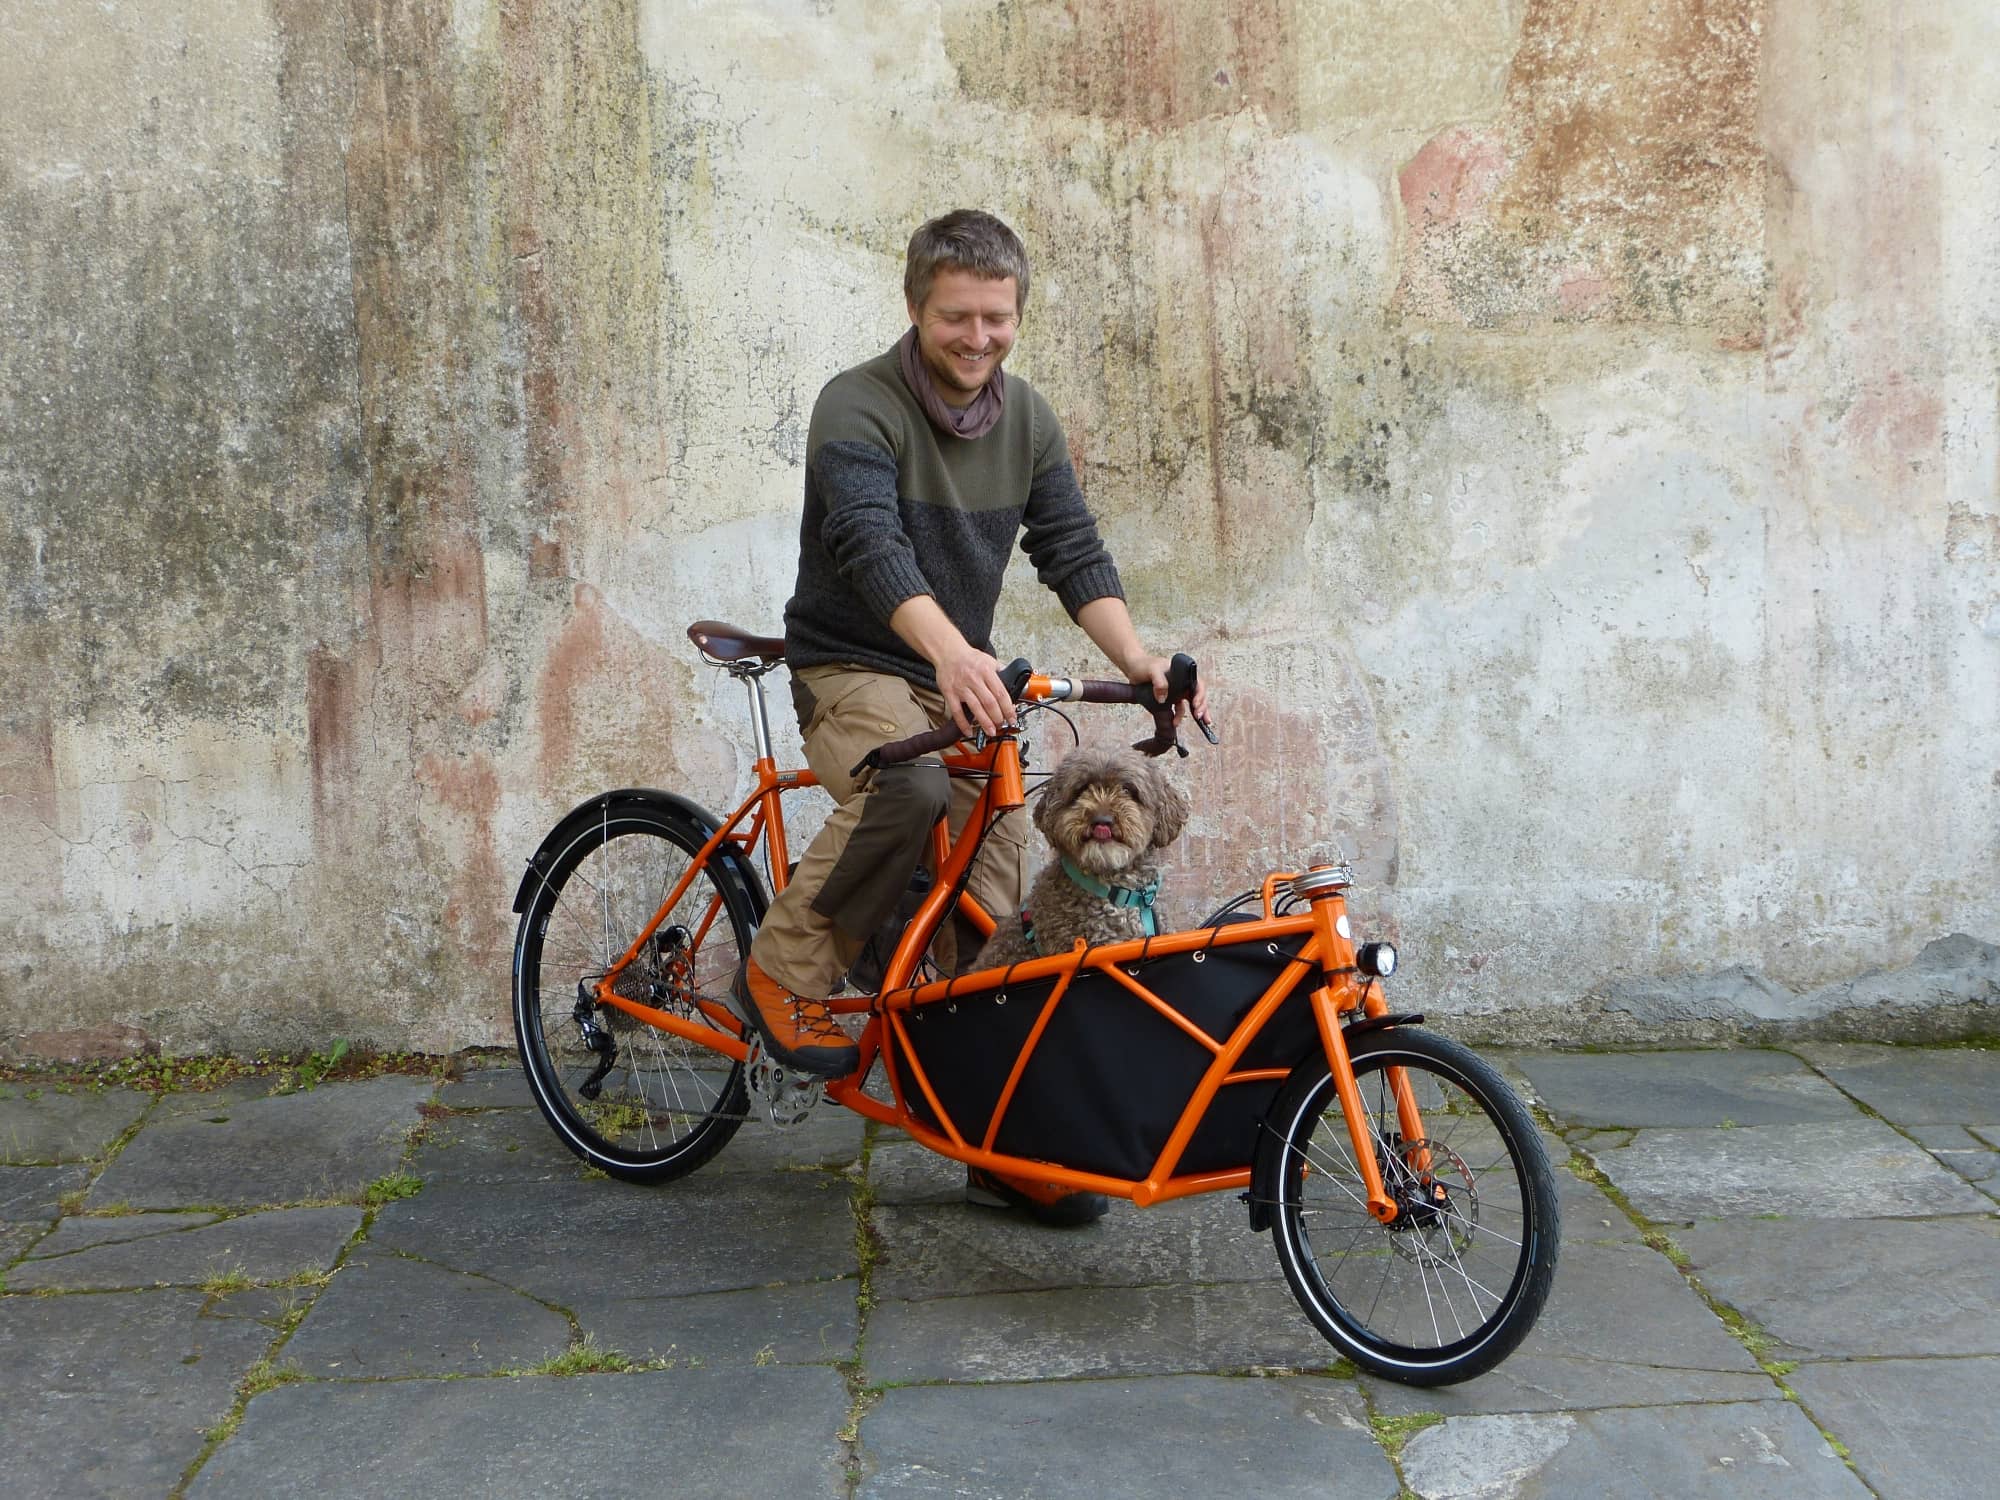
1871,1287
814,1324
488,1088
495,1145
901,1173
829,1137
1959,1149
557,1240
1856,1168
1910,1425
508,1145
32,1195
269,1246
80,1232
1633,1090
1588,1216
327,1142
1765,1449
1127,1440
672,1432
959,1250
111,1395
1054,1335
1622,1328
15,1240
388,1315
64,1127
219,1099
1915,1085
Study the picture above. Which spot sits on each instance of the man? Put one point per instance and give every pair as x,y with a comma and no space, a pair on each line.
922,467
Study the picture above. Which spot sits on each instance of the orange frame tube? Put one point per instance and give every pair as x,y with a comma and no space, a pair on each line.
1324,947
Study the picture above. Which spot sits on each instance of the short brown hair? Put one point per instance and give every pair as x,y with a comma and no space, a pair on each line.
965,240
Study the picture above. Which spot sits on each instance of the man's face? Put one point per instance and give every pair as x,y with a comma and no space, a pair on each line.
964,330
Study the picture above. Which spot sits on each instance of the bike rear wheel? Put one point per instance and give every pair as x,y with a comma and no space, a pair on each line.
1450,1287
638,1102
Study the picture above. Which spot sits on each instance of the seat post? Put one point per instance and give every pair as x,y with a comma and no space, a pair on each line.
760,719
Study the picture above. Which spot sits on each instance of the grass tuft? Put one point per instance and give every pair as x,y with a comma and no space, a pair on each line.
584,1357
392,1187
233,1279
1393,1432
267,1376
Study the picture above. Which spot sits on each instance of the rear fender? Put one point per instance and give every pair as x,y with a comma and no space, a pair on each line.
690,818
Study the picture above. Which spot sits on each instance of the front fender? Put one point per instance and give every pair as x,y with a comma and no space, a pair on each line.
692,819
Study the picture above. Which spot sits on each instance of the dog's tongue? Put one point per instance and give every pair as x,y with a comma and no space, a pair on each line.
1102,832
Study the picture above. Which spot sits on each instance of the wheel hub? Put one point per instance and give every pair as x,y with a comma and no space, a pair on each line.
1423,1199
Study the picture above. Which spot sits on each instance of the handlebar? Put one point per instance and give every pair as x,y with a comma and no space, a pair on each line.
1025,685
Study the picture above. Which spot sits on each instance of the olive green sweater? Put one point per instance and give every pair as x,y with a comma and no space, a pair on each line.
894,508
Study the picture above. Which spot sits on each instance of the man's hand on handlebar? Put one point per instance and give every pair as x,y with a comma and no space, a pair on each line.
1153,669
969,681
967,678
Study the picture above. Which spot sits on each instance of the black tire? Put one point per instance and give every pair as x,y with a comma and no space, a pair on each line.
666,1105
1448,1289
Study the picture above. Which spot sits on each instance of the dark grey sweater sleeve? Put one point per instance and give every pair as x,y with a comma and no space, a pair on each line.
1061,540
863,530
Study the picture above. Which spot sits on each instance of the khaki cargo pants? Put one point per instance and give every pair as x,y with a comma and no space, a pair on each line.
858,867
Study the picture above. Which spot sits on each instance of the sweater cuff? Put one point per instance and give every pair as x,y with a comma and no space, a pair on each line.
885,583
1098,581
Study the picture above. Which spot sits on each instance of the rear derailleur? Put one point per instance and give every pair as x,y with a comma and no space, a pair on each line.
596,1036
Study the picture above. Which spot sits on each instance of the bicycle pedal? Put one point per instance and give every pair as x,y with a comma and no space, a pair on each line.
785,1096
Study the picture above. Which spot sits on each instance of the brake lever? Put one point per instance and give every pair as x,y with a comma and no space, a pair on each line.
1181,674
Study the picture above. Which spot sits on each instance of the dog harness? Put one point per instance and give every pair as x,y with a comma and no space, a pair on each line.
1140,899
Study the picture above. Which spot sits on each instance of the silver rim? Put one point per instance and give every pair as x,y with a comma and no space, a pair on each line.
662,1089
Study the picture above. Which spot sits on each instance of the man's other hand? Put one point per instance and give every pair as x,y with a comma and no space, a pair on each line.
1145,667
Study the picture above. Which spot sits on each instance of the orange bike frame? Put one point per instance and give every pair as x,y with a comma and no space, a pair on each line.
760,818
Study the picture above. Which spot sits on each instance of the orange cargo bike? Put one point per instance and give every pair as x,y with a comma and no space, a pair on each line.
1404,1183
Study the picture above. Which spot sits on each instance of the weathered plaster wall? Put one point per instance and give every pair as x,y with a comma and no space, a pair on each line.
1567,432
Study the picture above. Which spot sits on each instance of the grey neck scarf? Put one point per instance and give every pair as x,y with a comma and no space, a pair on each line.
975,420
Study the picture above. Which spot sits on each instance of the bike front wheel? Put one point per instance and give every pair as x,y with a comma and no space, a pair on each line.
1453,1283
636,1101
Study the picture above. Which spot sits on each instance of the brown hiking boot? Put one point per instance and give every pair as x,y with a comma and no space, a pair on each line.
799,1032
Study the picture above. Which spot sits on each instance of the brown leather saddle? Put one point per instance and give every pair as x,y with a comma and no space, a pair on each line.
727,643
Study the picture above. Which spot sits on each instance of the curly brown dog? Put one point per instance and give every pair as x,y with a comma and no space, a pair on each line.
1104,812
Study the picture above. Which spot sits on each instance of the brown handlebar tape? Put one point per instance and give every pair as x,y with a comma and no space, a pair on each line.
1165,737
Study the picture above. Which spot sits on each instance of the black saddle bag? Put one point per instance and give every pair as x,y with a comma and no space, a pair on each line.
1110,1077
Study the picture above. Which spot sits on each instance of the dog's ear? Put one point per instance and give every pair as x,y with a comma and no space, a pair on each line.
1170,807
1059,789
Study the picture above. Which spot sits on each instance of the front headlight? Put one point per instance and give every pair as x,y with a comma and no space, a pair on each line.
1378,959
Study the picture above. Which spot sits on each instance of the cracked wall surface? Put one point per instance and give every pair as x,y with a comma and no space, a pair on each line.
1566,433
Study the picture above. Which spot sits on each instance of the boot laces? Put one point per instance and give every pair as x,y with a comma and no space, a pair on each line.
813,1019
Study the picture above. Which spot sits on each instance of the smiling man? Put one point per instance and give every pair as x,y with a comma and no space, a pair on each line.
923,466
